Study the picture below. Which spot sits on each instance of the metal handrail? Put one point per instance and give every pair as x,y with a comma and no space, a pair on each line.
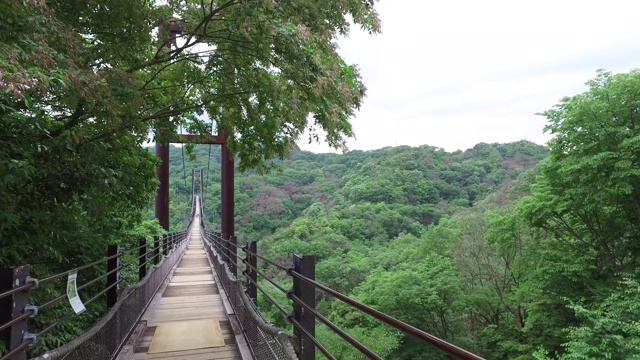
398,324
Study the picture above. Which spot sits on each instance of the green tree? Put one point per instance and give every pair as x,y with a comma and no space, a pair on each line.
426,294
586,202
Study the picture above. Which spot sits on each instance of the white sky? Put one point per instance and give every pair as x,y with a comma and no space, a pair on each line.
455,73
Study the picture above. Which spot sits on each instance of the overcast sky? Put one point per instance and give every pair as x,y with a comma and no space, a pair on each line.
455,73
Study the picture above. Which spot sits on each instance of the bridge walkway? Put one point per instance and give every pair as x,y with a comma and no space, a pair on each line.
189,318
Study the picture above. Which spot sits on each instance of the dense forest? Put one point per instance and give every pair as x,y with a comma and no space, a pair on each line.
383,224
83,84
513,251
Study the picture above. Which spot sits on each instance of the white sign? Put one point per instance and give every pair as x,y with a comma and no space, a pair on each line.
72,293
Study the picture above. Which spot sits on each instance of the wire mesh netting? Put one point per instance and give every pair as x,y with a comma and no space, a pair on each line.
108,335
265,341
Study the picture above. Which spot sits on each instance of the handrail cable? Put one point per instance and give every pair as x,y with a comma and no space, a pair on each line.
228,259
351,340
270,262
54,301
137,247
245,249
67,315
230,243
146,262
267,278
359,346
20,288
218,245
176,238
26,315
270,298
53,277
63,296
64,317
313,339
8,355
406,328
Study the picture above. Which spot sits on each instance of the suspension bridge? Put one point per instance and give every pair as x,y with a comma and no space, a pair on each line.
194,297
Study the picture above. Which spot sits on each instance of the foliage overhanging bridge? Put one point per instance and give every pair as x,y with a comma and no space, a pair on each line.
194,297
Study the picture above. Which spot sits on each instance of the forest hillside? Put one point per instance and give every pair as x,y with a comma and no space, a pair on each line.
511,251
392,227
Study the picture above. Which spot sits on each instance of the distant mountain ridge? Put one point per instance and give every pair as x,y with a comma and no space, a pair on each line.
426,182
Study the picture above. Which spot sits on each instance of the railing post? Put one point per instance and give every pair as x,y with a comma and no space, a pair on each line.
225,250
306,266
156,250
142,259
165,244
252,276
112,264
233,255
13,306
216,242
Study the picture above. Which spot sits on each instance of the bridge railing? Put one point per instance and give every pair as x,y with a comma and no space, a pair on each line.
149,262
303,316
265,341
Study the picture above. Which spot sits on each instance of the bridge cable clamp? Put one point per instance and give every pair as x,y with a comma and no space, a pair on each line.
33,309
30,337
290,294
34,281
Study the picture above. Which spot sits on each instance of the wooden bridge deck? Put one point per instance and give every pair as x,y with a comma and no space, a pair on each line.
185,314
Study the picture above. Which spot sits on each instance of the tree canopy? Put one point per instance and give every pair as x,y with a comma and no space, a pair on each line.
263,71
84,84
502,256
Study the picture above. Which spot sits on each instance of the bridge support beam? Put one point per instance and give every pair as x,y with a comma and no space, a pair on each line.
112,278
252,276
306,266
202,223
12,307
156,250
142,258
227,199
162,196
193,192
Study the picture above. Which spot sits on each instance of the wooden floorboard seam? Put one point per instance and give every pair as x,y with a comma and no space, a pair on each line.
194,294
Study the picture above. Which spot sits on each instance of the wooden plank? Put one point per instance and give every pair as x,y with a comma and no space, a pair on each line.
186,304
195,296
186,335
186,290
191,278
193,271
226,352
